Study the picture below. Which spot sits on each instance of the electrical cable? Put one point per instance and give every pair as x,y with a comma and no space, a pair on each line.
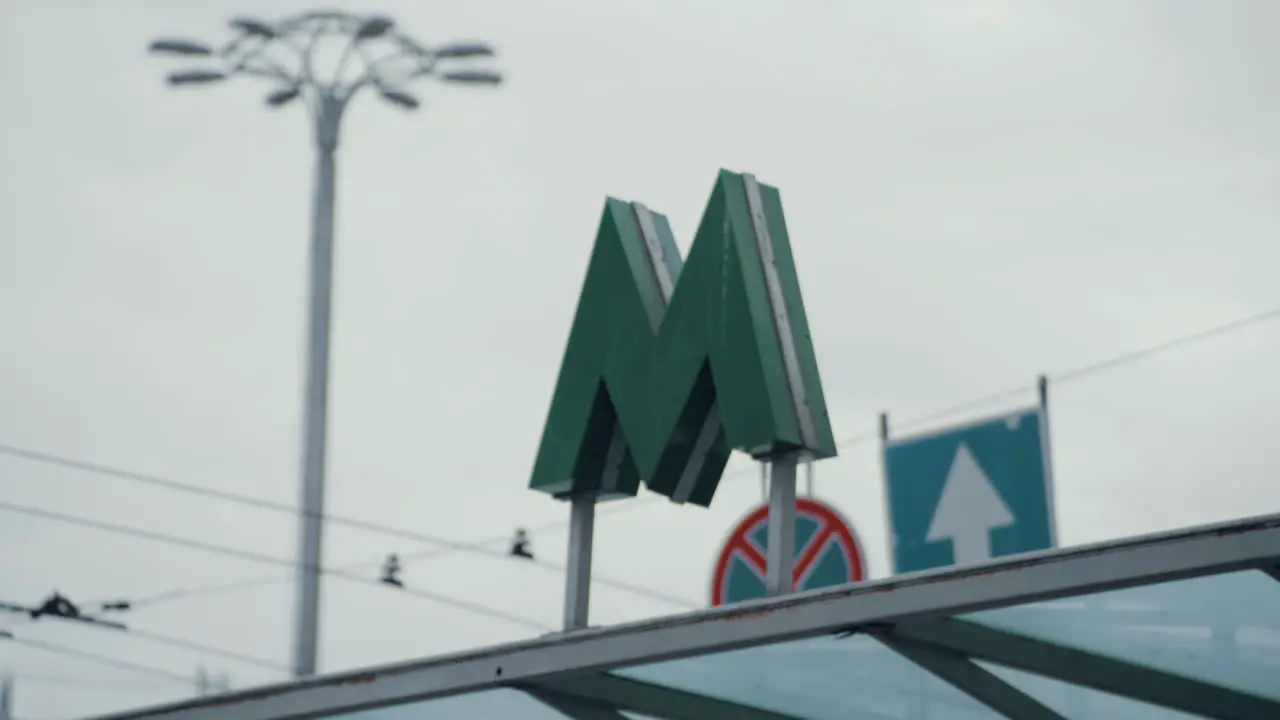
1174,343
239,499
1083,371
251,556
99,659
445,546
185,593
82,682
203,649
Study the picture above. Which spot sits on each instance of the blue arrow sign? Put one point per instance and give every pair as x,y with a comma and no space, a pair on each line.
971,493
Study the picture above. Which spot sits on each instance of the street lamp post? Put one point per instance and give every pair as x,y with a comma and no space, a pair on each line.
386,62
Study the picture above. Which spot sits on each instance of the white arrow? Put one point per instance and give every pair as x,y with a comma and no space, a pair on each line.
969,509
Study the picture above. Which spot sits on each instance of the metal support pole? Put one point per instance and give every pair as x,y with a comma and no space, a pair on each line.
887,504
1042,395
249,54
779,577
6,695
1046,449
577,582
316,403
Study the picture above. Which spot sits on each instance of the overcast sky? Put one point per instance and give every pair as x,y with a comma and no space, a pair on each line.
977,192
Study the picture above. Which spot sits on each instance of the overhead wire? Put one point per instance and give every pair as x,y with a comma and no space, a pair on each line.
261,558
82,682
237,498
162,639
185,593
216,589
105,660
201,648
447,546
443,545
177,642
1081,371
1174,343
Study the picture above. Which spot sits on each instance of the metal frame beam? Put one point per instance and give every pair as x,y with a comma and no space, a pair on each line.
1086,669
1039,576
977,682
649,699
1272,570
575,708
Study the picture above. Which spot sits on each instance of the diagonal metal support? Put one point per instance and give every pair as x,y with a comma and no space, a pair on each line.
574,708
1078,667
649,699
971,679
1272,570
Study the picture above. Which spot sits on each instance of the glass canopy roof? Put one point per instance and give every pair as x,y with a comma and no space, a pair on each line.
1224,629
1176,626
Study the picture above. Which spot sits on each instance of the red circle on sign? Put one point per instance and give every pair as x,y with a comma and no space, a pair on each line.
832,527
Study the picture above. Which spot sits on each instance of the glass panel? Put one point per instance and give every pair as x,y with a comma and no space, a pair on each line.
823,678
486,705
1223,629
1080,703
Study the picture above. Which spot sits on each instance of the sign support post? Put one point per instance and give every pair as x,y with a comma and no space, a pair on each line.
6,697
884,476
779,573
577,580
1042,389
1076,698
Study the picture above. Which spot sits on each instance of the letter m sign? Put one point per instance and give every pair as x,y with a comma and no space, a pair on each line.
672,364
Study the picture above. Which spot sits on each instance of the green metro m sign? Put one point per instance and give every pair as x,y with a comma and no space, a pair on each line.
672,364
